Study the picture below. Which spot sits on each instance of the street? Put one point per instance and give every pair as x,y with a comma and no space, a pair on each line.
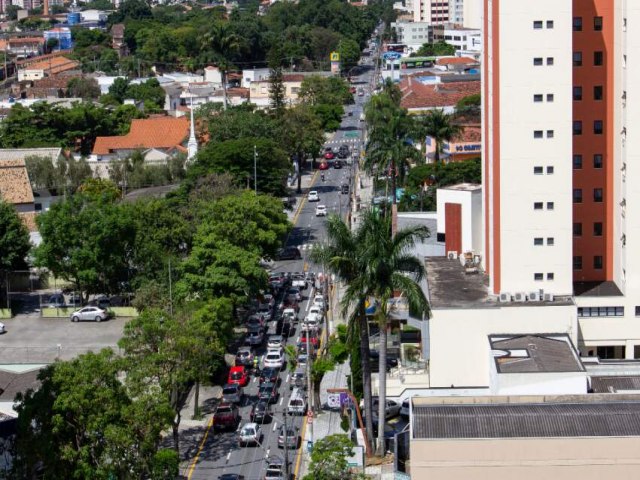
220,452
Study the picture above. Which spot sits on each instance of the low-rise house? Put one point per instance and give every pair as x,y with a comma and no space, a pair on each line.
259,90
423,93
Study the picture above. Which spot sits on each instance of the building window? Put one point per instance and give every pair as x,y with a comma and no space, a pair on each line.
550,170
598,59
577,263
538,241
549,133
537,170
597,127
577,127
537,61
537,205
603,311
551,241
549,60
597,229
597,24
537,134
577,59
550,206
577,24
538,277
597,160
577,162
597,195
637,311
577,93
537,97
577,229
550,276
549,97
597,262
597,92
577,195
549,23
537,24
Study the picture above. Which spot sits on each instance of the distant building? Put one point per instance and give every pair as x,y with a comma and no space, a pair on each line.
62,35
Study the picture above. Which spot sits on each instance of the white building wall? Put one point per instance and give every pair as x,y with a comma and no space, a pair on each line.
412,34
520,152
456,11
471,205
570,383
472,13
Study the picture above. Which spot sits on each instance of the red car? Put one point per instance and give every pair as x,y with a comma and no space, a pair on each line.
329,155
238,375
324,165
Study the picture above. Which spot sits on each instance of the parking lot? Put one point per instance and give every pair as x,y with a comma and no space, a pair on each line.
31,339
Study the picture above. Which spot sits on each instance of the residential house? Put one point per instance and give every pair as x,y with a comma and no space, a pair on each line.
259,90
457,64
117,40
15,189
22,47
50,64
423,93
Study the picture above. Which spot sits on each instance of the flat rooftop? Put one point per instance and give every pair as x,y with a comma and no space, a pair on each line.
535,354
526,417
615,384
464,187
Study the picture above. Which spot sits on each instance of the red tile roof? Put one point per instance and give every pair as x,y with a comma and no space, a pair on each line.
417,95
161,132
456,61
469,134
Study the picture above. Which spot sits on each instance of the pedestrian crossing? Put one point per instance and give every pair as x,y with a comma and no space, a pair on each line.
343,141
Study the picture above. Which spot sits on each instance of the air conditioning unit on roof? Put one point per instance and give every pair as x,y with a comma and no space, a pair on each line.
452,255
505,297
548,297
535,297
520,297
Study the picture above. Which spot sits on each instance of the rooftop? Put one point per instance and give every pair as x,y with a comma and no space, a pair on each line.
456,61
54,65
12,383
22,153
15,187
463,187
416,94
526,417
159,132
535,354
615,384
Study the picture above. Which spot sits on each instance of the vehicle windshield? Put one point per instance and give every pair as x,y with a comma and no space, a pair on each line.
248,431
225,409
236,375
229,391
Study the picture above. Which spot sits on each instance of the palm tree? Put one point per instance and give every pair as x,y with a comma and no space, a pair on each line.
437,125
390,268
340,256
224,42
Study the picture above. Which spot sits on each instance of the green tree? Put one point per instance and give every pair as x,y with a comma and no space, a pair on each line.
349,51
329,458
42,172
85,88
439,126
438,49
277,92
118,89
149,92
237,122
469,107
14,239
223,42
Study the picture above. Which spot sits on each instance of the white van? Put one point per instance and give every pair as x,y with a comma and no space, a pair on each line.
297,403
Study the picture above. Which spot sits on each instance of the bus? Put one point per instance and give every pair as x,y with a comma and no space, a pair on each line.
408,63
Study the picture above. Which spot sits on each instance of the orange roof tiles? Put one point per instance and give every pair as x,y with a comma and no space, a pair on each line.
469,134
417,95
15,187
159,132
456,61
54,65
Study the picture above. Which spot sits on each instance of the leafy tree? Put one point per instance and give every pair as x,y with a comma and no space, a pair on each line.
82,423
469,107
131,10
87,241
14,239
439,126
72,173
438,49
118,89
277,92
237,122
349,53
42,172
85,88
329,458
317,90
222,42
12,11
330,116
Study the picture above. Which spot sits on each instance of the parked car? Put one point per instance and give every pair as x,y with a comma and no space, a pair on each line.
261,412
274,359
321,211
291,437
289,253
231,476
90,313
102,302
268,391
250,434
319,301
274,469
270,375
374,355
298,379
56,301
310,323
232,393
404,409
244,357
238,375
289,314
227,417
392,409
316,310
275,341
313,196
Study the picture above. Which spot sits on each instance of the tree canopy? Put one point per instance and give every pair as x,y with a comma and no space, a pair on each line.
14,239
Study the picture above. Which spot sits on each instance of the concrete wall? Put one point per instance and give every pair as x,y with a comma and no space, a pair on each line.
541,383
525,459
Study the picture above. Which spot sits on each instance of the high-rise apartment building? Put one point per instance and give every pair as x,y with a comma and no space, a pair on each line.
561,96
431,11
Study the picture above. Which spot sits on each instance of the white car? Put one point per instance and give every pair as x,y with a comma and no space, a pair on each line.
317,311
89,313
3,329
313,196
290,314
250,435
274,359
321,211
319,301
311,323
275,342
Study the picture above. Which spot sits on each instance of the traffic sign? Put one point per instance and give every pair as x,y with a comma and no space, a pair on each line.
310,417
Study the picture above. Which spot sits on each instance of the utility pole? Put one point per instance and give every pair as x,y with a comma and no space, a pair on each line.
170,292
309,387
286,446
255,169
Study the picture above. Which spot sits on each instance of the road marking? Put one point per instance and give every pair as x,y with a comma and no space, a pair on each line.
192,467
299,459
281,400
228,456
304,199
287,379
267,453
275,425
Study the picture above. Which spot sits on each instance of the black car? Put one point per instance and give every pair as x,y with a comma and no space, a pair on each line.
338,164
268,392
261,412
344,189
269,374
289,253
231,476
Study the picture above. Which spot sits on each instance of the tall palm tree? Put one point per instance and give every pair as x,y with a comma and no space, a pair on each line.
439,126
390,268
340,256
223,42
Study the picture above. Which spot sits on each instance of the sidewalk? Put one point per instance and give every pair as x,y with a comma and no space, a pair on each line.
308,178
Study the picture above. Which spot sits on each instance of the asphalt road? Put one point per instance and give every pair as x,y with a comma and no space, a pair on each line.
221,453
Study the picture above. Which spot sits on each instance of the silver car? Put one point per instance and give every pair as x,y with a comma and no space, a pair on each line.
90,313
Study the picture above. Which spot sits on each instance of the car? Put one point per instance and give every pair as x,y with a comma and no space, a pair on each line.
324,165
298,379
297,403
244,357
405,408
350,113
275,341
226,417
261,412
344,189
313,196
238,375
250,434
299,280
101,301
360,92
276,280
321,211
337,165
295,291
231,476
275,469
268,391
255,337
268,299
311,324
319,301
232,393
289,253
274,359
290,303
3,329
270,374
291,437
392,409
255,322
96,314
329,155
316,309
266,312
290,315
374,356
314,341
302,359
